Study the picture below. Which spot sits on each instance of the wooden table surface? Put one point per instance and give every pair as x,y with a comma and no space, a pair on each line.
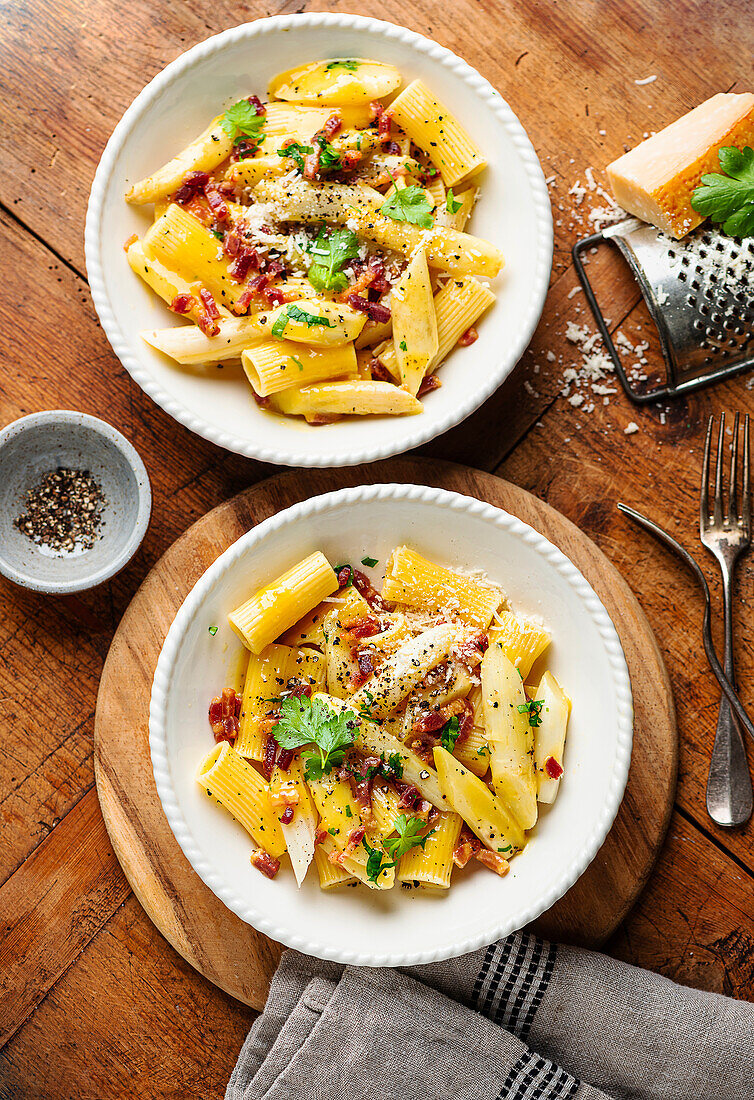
95,1004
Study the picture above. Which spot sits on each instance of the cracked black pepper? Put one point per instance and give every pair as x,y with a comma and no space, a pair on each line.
63,510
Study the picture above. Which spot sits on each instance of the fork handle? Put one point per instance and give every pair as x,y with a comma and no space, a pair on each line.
729,791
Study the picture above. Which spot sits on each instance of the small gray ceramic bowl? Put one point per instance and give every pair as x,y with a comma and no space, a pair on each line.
29,449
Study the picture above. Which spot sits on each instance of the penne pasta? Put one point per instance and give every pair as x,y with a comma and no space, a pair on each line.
473,751
404,670
510,736
342,668
241,790
204,154
271,674
331,874
431,866
553,709
354,397
413,580
276,365
280,604
432,127
168,284
254,730
338,81
414,322
312,321
189,345
521,640
484,813
288,789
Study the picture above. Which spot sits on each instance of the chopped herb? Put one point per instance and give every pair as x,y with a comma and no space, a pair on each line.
348,812
369,562
303,722
729,199
296,152
403,345
332,253
242,120
450,733
213,630
409,836
293,313
408,204
216,233
298,362
452,205
346,63
329,158
392,768
333,832
534,708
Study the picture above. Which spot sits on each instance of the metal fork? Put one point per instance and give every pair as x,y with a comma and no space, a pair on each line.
727,536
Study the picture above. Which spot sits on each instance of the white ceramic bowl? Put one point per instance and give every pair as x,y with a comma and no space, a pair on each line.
397,927
513,212
33,446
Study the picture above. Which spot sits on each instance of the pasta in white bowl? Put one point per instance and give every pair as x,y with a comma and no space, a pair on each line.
376,837
368,275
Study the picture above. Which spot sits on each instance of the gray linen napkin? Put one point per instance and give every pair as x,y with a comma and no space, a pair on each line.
548,1020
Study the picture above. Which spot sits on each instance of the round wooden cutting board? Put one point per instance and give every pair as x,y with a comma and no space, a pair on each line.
225,949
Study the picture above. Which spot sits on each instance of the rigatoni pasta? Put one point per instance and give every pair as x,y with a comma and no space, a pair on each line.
331,218
384,738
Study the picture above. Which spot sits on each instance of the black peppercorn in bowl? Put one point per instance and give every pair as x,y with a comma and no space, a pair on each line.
75,501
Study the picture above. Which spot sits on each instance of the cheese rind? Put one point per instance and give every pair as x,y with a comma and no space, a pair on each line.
655,180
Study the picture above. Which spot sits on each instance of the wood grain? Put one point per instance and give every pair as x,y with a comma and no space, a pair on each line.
207,934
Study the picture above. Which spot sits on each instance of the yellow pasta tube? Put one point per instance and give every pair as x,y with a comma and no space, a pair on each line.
458,306
167,284
356,397
309,631
447,249
283,602
341,666
385,809
288,789
412,579
549,736
334,82
330,874
314,321
436,192
509,735
202,155
241,790
414,322
482,811
521,640
181,242
473,751
271,673
457,220
276,365
254,729
432,864
373,333
341,818
404,670
188,345
248,172
432,127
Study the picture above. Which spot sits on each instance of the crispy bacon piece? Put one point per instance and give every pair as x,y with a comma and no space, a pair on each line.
553,768
365,660
428,383
393,148
270,756
473,649
257,104
182,303
370,275
311,162
317,420
273,295
430,721
332,126
375,311
216,202
383,120
363,586
321,837
193,184
265,863
225,714
209,316
378,372
263,402
497,863
350,159
365,627
468,337
467,847
410,797
287,815
423,744
355,838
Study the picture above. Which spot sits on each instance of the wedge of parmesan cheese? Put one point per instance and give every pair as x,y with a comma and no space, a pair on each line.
655,180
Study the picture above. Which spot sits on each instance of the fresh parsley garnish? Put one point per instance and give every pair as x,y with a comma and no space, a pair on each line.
213,630
390,768
346,63
452,204
369,562
534,707
294,313
409,836
303,722
329,158
450,733
332,253
298,362
403,345
408,204
296,152
242,120
216,233
729,198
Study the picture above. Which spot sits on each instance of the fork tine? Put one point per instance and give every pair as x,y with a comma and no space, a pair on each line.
717,512
704,492
745,496
732,488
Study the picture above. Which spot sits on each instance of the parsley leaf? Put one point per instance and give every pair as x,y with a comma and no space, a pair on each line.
346,63
452,205
408,204
213,630
294,313
329,158
392,768
369,562
303,722
296,152
409,836
450,733
534,708
403,345
332,252
729,198
242,119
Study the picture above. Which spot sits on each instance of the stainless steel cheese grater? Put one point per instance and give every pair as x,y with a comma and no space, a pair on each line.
700,294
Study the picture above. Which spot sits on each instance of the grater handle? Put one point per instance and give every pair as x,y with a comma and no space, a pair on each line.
638,398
